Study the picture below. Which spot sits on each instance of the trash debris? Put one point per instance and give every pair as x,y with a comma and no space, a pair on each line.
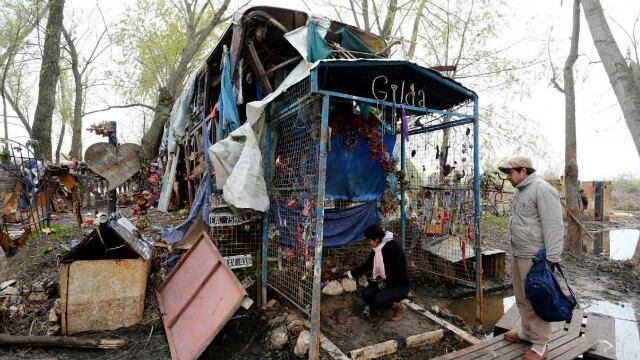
333,288
349,285
302,344
279,338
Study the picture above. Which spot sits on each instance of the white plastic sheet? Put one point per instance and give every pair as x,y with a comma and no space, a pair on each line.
238,161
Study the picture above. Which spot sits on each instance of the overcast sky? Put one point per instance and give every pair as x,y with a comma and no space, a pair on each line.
605,147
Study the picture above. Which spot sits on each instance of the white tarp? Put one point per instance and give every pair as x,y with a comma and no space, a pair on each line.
238,160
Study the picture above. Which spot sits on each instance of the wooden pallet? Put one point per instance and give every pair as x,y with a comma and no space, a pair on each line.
590,335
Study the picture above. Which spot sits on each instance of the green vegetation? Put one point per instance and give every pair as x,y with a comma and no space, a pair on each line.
57,232
499,221
625,193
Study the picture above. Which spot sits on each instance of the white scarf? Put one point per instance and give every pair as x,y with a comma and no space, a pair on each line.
378,261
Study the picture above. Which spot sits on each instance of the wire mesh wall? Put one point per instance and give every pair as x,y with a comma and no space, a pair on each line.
293,187
241,243
25,193
440,203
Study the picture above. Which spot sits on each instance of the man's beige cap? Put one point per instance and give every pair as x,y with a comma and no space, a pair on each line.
515,162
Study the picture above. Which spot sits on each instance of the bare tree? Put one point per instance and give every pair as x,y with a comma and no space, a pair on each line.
625,85
21,21
64,110
80,71
49,71
572,187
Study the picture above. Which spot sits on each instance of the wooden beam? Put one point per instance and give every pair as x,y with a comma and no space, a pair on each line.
456,330
331,349
258,69
61,341
283,64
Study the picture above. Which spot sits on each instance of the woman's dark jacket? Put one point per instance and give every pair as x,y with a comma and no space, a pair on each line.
395,265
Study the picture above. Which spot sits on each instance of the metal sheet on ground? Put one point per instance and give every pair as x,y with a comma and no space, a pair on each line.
197,299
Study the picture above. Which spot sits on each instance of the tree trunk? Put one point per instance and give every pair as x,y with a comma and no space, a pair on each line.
76,127
59,146
626,88
416,29
168,94
153,136
49,71
390,19
571,185
636,255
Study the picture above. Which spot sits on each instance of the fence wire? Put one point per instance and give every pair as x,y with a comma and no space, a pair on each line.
440,203
293,188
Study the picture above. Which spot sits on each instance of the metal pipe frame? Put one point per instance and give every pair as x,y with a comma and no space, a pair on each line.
476,217
265,220
314,347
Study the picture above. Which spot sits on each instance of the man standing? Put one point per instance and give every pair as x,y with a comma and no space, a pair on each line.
536,223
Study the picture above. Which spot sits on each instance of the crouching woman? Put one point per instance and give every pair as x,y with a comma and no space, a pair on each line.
387,264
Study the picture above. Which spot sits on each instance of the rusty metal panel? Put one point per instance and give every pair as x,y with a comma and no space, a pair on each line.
115,164
197,299
130,234
102,294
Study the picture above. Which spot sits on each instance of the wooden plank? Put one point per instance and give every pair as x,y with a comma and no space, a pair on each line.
509,350
603,329
471,349
456,330
507,321
167,182
499,347
258,69
333,351
573,349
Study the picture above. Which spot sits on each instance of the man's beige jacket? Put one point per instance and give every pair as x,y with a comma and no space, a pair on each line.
536,219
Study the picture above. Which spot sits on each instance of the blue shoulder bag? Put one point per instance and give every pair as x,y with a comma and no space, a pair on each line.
541,288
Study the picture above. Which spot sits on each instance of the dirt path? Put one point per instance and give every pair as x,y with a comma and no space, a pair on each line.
592,277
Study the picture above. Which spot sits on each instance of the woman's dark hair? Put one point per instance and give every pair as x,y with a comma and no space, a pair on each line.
374,232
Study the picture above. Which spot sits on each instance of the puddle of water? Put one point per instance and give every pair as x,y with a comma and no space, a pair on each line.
495,305
617,244
627,337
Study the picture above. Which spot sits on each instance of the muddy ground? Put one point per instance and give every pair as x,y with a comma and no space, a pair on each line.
246,336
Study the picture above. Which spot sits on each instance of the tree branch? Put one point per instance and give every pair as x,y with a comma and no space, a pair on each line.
120,107
554,81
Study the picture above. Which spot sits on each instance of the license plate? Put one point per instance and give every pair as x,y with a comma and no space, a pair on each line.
239,261
227,219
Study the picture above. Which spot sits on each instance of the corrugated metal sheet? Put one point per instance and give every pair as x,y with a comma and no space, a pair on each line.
197,299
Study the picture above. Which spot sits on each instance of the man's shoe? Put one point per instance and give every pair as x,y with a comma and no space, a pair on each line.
532,355
512,335
399,311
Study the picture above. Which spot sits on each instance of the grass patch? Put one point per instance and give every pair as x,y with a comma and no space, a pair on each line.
57,232
499,221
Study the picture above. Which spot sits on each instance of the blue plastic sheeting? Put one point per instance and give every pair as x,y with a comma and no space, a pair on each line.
350,173
344,226
227,101
200,202
341,227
